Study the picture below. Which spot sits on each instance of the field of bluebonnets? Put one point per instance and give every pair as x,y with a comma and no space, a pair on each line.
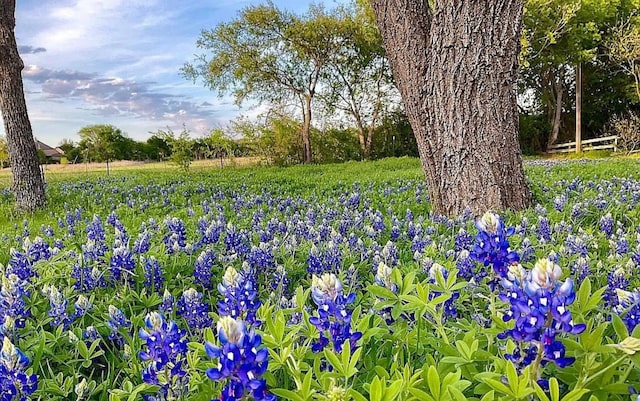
322,283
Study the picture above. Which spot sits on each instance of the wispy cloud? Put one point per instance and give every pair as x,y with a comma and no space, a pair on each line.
31,50
113,96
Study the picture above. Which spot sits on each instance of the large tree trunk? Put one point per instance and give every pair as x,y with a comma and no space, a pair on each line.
28,187
455,63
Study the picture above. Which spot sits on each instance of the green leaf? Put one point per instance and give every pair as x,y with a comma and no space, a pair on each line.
393,390
490,396
499,386
286,394
512,377
554,389
619,326
356,395
456,394
421,395
433,380
375,390
575,395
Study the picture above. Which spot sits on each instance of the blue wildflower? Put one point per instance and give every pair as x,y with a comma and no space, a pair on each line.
153,275
202,268
15,383
334,319
538,306
240,298
492,246
122,264
165,350
193,310
241,362
116,322
13,307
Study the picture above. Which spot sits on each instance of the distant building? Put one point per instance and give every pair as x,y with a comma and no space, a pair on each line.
53,155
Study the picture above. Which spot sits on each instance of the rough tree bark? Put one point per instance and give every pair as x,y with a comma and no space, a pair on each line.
455,63
28,187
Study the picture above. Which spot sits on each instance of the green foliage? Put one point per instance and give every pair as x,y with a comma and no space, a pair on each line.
181,147
103,142
4,151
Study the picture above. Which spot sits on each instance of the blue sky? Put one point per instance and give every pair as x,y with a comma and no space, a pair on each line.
117,62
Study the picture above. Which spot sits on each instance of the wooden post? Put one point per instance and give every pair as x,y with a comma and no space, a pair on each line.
579,109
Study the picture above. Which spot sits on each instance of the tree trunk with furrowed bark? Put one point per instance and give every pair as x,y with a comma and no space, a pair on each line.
28,187
455,64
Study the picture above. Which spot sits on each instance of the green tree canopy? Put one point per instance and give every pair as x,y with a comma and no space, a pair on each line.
270,55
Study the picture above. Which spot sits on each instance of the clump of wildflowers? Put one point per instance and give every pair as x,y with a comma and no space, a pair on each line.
193,310
628,308
116,322
448,308
15,383
13,308
165,351
202,268
492,246
57,307
334,319
153,275
240,361
240,296
538,302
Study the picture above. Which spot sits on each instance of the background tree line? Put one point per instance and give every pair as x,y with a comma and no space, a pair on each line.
331,95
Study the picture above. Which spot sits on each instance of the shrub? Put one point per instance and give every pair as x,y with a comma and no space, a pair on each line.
627,128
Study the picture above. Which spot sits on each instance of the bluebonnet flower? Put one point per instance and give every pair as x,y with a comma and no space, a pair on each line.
240,298
81,307
116,322
153,275
210,231
176,239
57,307
15,383
559,202
87,278
95,247
463,241
576,245
236,241
21,263
122,264
628,308
606,224
193,310
580,269
13,308
544,229
202,268
165,350
538,306
241,362
492,246
334,319
315,261
142,243
448,308
616,280
261,257
90,334
383,279
168,301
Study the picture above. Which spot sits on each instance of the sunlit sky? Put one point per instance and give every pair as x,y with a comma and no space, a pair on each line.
118,62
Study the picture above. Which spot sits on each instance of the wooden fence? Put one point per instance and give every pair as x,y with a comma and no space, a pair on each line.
607,142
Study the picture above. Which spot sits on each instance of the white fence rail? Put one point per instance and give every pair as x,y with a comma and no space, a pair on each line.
607,142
